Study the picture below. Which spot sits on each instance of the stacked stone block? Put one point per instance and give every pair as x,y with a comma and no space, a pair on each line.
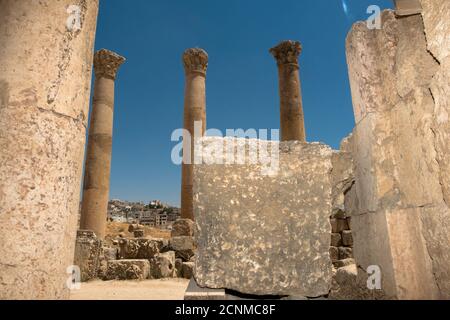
137,258
341,240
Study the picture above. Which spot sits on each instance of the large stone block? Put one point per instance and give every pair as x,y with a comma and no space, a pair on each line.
128,270
183,227
163,265
265,234
141,248
399,158
87,254
184,247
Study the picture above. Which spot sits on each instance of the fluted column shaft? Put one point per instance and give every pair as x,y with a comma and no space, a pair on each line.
195,64
292,123
98,159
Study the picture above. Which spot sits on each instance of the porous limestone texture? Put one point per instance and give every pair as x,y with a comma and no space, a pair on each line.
45,78
87,254
260,233
128,270
400,217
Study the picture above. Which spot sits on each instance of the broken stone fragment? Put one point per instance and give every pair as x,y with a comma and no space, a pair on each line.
183,227
183,246
163,265
128,270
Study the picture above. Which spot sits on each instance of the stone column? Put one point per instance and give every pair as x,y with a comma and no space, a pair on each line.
292,121
98,159
46,56
195,64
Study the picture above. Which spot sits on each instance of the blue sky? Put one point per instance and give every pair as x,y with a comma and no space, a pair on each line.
242,88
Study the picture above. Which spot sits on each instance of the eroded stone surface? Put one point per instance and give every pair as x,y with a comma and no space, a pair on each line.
397,158
128,270
45,77
183,227
261,234
87,254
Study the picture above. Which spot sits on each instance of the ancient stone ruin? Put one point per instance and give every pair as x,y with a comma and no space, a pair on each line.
299,221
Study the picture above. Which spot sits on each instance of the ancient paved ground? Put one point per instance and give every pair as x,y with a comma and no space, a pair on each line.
170,289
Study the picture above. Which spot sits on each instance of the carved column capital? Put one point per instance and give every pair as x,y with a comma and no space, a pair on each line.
287,52
195,60
107,63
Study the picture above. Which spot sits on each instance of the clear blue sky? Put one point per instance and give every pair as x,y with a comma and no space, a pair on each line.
242,88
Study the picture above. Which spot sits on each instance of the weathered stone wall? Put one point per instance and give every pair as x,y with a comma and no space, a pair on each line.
264,233
400,219
45,77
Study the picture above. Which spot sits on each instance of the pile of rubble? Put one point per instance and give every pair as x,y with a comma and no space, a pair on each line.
137,258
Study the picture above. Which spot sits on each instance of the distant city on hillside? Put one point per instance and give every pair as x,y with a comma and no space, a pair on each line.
154,214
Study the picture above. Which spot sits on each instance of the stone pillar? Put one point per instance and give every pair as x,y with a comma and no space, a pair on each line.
292,120
195,64
399,213
98,159
46,56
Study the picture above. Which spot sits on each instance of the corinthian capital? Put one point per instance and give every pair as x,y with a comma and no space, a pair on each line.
287,52
107,63
195,60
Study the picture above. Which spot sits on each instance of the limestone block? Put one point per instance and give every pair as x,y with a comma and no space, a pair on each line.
265,233
183,227
188,270
344,263
141,248
342,179
184,247
347,238
342,224
336,240
350,283
440,87
128,270
87,254
163,265
399,157
436,17
110,253
334,254
345,253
